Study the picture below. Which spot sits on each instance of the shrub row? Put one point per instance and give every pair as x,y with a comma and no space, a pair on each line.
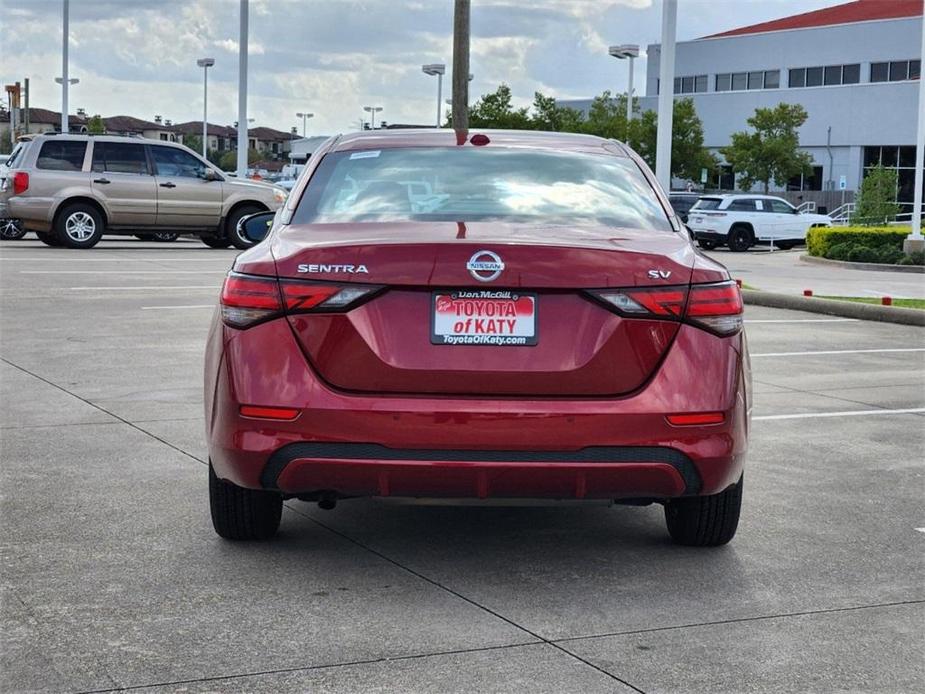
820,240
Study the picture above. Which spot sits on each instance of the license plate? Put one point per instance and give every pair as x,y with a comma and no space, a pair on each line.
483,317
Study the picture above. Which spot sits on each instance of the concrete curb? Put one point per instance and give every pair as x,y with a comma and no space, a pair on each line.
920,269
845,309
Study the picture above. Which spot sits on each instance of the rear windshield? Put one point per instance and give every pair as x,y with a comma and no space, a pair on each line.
62,155
707,204
473,184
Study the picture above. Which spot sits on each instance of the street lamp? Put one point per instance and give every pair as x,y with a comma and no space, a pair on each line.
205,64
304,117
373,110
631,51
438,69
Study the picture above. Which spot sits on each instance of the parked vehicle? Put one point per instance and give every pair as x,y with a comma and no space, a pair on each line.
740,221
682,203
547,331
73,189
10,229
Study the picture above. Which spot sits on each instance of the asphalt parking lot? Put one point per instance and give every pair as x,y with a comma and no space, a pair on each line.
114,579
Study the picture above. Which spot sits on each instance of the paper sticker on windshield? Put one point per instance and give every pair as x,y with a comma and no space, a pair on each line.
366,154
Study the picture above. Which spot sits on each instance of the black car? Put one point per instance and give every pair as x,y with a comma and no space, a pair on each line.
682,202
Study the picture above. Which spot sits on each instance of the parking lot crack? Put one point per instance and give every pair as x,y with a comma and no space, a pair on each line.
539,638
104,411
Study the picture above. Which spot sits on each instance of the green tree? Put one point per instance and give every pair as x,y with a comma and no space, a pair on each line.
229,160
770,153
95,125
495,111
607,117
688,154
194,142
548,115
876,203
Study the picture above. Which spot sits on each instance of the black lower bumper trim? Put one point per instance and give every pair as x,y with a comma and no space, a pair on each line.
372,451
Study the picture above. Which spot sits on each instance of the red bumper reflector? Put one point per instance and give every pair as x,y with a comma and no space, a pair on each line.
681,420
257,412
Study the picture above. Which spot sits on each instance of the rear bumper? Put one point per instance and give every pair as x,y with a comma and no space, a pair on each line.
710,236
430,446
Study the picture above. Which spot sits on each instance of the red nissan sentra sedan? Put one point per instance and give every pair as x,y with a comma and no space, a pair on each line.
482,315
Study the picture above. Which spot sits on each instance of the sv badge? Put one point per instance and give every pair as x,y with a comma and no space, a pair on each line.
659,274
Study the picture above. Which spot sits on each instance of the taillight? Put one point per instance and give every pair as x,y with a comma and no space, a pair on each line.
20,182
714,307
249,299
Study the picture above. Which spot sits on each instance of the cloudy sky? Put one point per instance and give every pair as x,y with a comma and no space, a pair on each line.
330,57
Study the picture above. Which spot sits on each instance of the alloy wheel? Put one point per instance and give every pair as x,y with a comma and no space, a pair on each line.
80,226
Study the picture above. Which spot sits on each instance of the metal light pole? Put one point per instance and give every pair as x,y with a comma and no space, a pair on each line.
65,82
438,69
304,117
915,242
65,121
205,64
372,110
666,94
631,51
242,93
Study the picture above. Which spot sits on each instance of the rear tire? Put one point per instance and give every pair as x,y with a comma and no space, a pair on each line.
785,245
705,521
79,226
243,514
48,238
741,238
706,245
11,230
231,226
215,241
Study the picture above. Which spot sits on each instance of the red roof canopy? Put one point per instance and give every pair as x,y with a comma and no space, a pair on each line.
848,13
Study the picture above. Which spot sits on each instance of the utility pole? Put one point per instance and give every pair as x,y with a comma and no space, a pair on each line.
65,83
26,100
461,65
666,94
242,93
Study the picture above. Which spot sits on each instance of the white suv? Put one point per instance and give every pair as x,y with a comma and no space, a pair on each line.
739,221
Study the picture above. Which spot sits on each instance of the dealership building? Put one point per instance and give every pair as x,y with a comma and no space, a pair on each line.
854,67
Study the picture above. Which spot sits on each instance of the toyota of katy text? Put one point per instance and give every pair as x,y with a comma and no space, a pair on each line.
71,190
740,221
539,326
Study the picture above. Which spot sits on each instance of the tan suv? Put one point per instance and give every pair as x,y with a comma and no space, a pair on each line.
72,189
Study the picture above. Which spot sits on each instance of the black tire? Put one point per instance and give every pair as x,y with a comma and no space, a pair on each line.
48,238
740,238
79,226
705,521
165,236
786,245
11,229
231,226
706,245
214,241
243,514
144,237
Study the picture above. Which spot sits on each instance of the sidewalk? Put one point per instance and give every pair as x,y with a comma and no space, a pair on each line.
783,272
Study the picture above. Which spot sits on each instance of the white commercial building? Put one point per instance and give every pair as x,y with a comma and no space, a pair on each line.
854,67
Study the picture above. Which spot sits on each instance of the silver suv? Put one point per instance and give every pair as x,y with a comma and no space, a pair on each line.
72,189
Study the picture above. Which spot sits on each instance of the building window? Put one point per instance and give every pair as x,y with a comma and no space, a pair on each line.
915,69
902,160
851,74
772,79
723,82
164,137
813,76
689,85
798,77
803,182
879,72
832,75
700,83
739,81
755,80
899,70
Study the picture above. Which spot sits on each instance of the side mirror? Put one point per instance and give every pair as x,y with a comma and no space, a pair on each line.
211,175
255,227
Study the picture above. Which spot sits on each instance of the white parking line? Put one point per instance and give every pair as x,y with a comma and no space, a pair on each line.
122,272
164,308
847,413
840,351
